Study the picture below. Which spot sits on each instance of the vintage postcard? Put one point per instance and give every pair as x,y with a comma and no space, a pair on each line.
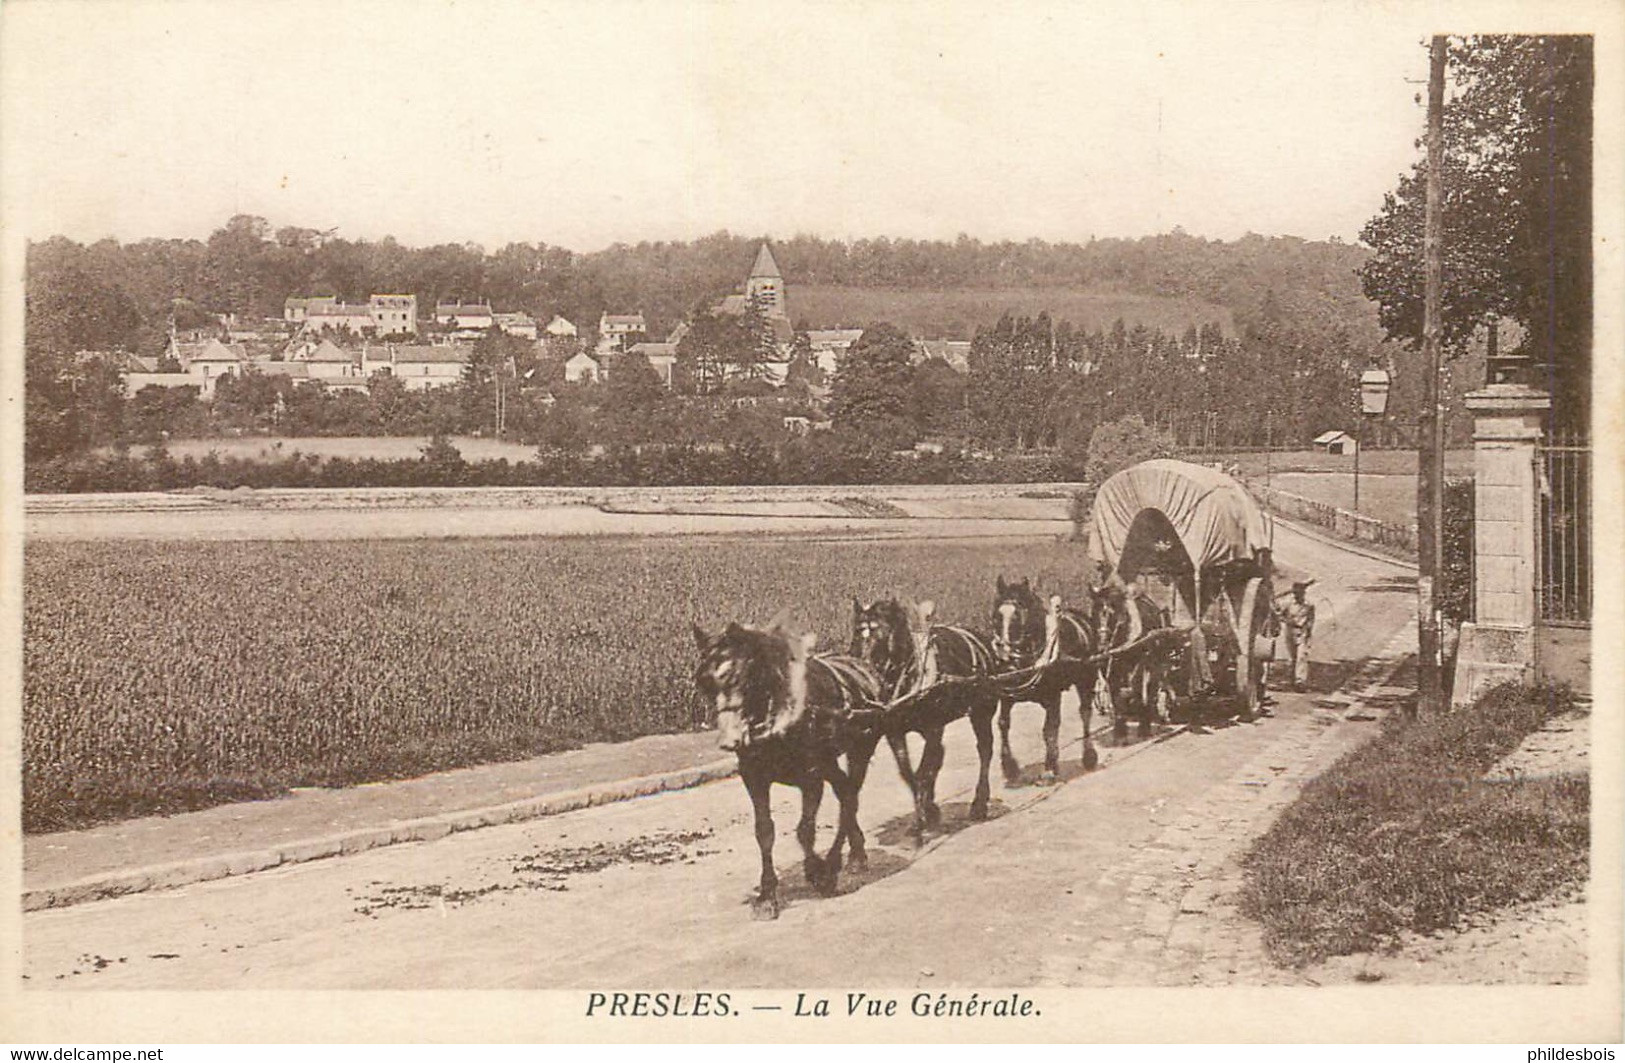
785,522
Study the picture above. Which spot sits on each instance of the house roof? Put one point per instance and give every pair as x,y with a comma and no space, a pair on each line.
621,319
578,356
1332,437
955,352
834,336
328,351
283,368
215,351
731,304
423,353
765,266
341,310
655,350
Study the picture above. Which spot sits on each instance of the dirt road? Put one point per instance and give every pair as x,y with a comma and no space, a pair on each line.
1119,877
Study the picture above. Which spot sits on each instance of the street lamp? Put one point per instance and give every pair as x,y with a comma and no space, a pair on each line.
1374,384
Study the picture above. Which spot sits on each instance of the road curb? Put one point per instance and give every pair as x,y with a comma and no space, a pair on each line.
428,828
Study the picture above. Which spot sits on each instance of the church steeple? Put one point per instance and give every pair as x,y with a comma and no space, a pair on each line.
765,266
766,284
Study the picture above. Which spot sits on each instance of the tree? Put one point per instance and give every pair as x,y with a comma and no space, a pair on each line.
1517,210
870,395
712,344
1122,444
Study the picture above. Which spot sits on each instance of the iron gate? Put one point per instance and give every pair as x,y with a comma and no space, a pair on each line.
1563,474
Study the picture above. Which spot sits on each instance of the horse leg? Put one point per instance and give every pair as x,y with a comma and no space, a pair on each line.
1119,716
857,769
1007,760
758,783
981,721
1085,689
899,751
846,785
930,765
818,876
1052,734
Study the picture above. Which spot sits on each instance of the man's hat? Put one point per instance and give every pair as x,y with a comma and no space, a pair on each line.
1301,584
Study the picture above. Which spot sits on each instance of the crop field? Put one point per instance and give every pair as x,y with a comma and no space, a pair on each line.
164,677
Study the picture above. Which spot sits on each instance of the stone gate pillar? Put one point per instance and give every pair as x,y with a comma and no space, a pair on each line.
1498,645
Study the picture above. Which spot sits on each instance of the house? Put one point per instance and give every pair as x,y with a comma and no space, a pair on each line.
335,316
583,367
517,324
1337,442
328,361
662,357
465,316
134,381
296,308
418,367
394,315
829,345
295,371
560,326
955,352
613,329
202,366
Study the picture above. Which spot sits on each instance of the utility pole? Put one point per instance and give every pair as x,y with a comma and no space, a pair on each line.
1430,448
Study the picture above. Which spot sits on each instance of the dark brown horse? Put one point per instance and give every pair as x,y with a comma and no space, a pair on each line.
791,715
1043,649
1134,677
931,675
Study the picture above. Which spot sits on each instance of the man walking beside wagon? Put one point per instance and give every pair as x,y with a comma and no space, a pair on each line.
1297,617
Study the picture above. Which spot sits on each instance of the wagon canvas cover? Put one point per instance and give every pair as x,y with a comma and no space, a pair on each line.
1215,519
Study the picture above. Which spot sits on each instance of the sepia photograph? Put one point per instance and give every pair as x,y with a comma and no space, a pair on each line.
780,522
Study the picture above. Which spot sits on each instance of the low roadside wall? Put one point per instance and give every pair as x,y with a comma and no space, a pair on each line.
1355,527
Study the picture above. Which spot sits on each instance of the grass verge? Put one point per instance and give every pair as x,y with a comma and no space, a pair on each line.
1406,834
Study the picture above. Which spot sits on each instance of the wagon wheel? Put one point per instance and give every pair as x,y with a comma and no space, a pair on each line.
1252,624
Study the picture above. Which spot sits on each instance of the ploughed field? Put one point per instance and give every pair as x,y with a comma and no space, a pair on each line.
160,677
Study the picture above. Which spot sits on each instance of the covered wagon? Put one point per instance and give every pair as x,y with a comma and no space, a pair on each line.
1194,541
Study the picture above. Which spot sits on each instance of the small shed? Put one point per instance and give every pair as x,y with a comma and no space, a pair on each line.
1337,442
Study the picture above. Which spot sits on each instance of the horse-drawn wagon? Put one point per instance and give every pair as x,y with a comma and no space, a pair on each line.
1195,543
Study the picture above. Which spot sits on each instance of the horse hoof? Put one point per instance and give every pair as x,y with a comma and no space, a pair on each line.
1012,771
978,810
857,860
1049,778
1120,730
933,817
763,909
1090,758
822,879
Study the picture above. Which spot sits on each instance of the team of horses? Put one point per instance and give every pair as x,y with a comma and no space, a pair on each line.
808,719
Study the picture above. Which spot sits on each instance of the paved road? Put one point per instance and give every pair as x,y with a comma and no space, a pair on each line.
1124,876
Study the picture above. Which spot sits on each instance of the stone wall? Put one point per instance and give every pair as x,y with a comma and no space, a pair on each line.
1355,527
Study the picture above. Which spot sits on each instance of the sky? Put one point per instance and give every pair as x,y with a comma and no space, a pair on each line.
584,124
